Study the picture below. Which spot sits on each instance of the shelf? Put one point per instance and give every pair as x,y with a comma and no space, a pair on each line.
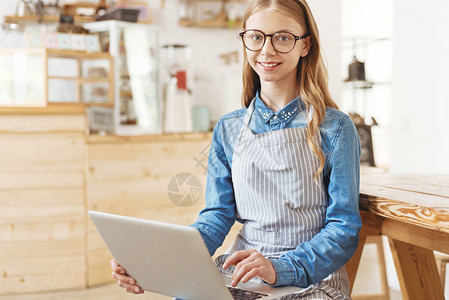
79,54
55,19
360,84
94,80
45,19
147,21
50,109
165,137
209,24
81,80
78,105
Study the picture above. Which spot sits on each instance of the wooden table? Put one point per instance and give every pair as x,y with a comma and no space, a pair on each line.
412,210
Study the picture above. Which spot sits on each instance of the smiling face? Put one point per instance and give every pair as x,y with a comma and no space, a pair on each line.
271,66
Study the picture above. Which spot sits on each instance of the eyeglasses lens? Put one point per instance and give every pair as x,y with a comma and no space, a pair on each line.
281,41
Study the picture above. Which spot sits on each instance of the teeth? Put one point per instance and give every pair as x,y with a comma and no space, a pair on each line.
269,65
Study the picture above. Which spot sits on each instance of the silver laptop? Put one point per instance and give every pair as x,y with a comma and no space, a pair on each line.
173,260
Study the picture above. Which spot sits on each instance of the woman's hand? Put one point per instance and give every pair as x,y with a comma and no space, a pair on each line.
124,280
248,264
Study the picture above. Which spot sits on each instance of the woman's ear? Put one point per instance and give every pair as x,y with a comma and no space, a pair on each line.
306,45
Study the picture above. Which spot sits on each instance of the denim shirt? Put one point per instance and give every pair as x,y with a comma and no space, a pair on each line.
334,245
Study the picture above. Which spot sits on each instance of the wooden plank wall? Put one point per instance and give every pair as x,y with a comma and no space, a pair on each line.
131,178
42,212
51,175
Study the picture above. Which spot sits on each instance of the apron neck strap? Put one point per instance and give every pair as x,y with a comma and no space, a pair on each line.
249,112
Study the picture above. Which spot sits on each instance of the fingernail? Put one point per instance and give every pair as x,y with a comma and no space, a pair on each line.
233,283
136,289
225,266
131,281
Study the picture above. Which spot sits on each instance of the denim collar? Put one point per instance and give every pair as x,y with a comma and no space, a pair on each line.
285,115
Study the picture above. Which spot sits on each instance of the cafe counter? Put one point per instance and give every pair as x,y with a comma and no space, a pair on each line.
53,172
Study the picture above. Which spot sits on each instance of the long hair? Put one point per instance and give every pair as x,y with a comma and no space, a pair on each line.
311,71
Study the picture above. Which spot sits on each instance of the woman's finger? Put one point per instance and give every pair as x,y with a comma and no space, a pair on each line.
251,274
113,263
242,271
135,289
116,267
123,278
247,260
124,281
236,257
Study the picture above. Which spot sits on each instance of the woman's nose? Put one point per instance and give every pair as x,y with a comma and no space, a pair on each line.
268,48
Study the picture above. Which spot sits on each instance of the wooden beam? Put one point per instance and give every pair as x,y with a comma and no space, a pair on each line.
416,235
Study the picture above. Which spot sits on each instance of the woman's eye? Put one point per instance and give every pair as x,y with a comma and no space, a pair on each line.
256,37
284,38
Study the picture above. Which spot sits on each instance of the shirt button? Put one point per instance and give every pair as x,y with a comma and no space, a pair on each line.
275,117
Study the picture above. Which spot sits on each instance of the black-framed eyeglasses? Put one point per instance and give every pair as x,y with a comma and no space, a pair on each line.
282,41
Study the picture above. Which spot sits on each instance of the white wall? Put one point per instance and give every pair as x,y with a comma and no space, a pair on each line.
329,19
420,135
215,84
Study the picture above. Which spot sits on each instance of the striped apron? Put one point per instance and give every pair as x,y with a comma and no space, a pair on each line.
279,200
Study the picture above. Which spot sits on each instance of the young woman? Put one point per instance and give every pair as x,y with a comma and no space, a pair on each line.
286,165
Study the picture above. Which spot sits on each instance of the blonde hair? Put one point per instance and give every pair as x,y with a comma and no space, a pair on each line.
311,71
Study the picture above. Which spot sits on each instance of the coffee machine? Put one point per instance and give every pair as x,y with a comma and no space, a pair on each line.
177,97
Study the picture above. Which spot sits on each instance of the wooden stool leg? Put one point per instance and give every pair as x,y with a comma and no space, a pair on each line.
371,226
377,239
353,264
442,260
443,273
417,271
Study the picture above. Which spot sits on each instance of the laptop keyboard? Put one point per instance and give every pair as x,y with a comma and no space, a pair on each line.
239,294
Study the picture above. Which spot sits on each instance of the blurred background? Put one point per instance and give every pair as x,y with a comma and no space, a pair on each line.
143,69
